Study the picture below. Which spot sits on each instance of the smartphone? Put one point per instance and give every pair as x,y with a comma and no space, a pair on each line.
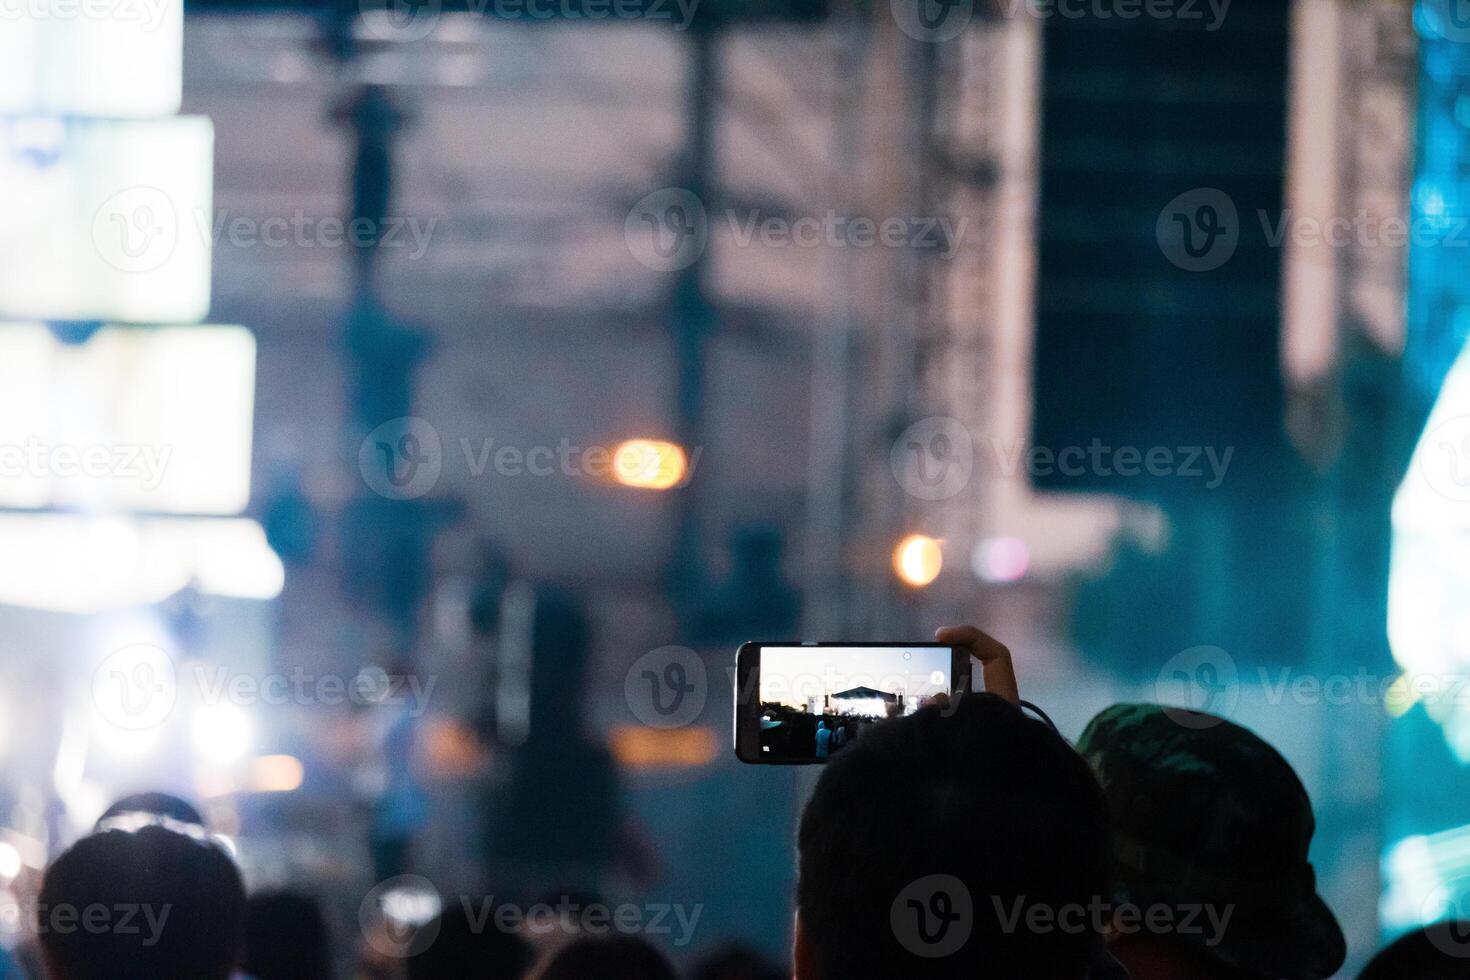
801,703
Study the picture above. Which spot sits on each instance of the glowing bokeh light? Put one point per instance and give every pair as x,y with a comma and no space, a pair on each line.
649,464
221,732
1001,560
918,560
640,747
276,774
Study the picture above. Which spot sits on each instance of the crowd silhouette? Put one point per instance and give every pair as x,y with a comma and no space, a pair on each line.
968,839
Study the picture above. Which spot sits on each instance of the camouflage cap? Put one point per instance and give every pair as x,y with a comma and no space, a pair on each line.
1205,812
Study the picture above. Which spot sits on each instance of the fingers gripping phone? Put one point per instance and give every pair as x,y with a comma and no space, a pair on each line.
801,703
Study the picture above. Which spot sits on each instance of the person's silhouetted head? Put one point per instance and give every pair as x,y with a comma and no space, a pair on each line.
286,937
1437,952
1211,831
151,805
961,841
147,905
608,958
463,947
737,963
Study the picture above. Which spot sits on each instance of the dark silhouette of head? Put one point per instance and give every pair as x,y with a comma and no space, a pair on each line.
608,958
737,963
929,841
153,805
286,937
147,905
1207,815
463,948
1437,952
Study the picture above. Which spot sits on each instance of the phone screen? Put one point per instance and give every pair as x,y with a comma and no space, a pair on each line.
814,700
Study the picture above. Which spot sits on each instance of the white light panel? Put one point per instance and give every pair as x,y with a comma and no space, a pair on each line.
155,420
106,220
91,57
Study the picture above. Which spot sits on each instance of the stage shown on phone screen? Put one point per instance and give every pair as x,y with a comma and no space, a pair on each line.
814,701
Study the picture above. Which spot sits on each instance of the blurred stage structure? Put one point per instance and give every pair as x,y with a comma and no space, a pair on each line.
512,309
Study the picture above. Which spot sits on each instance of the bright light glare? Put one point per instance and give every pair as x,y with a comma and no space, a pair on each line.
410,906
124,743
221,732
1428,618
649,464
240,563
1424,878
110,222
125,717
10,862
156,420
126,64
72,563
918,559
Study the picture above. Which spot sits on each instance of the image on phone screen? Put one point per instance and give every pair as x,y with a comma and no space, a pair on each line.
812,701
